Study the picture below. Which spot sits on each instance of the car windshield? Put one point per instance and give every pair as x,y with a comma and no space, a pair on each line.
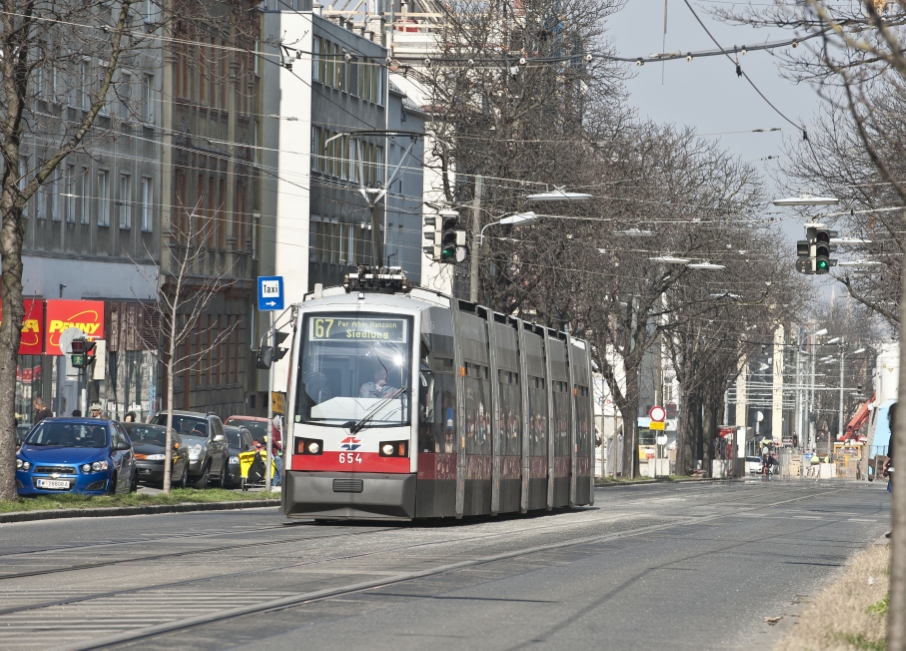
257,428
233,438
68,435
147,434
355,366
186,425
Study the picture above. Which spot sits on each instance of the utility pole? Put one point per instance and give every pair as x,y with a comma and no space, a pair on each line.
811,403
476,241
798,410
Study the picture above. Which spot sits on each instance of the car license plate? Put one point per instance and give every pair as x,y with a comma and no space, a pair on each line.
53,483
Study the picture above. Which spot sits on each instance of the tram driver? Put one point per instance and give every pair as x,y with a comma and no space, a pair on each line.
379,388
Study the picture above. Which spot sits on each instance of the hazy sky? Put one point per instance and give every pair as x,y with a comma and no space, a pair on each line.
706,93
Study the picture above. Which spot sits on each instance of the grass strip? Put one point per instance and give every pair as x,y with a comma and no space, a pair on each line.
176,496
850,613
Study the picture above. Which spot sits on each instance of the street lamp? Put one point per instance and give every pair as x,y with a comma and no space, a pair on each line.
518,219
807,200
559,194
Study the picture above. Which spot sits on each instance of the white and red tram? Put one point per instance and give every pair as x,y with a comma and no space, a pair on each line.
405,403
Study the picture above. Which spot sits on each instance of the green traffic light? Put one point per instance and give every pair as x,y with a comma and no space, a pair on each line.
823,265
78,361
448,253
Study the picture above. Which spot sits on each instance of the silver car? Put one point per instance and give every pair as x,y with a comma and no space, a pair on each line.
203,436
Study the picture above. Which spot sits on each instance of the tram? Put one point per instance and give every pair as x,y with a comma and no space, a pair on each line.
405,403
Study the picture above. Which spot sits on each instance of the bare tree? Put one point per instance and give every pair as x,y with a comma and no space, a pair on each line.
186,293
39,40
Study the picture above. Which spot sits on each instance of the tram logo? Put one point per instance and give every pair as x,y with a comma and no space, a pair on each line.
351,443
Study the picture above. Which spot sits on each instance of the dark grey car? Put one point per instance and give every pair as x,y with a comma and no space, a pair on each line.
203,437
239,440
150,445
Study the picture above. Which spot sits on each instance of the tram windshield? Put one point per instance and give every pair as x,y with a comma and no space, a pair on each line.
355,370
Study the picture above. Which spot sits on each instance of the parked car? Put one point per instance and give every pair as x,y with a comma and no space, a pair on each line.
150,445
240,440
76,455
254,424
203,437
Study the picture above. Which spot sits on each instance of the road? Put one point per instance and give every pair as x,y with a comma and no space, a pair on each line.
674,566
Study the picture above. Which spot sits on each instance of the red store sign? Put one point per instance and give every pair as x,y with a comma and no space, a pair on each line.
31,341
87,316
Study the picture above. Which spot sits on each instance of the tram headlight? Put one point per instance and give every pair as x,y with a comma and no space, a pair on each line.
309,447
394,448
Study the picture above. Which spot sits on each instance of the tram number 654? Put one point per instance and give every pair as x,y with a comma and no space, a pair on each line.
350,457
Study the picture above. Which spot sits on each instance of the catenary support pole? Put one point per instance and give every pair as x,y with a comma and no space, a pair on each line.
272,335
476,241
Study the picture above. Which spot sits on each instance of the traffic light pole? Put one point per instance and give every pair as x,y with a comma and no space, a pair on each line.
83,391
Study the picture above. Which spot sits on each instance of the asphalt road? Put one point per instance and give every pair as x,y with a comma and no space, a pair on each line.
675,566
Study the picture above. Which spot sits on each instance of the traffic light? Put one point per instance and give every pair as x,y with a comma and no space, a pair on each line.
267,355
804,258
82,353
813,253
823,249
432,238
448,236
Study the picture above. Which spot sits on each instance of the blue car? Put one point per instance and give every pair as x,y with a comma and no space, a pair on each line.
76,455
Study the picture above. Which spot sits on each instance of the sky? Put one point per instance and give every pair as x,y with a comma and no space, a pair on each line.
707,94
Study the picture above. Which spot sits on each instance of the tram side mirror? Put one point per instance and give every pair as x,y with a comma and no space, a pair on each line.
265,357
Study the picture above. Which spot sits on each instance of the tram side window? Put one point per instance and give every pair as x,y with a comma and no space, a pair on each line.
478,409
537,417
510,413
583,437
561,418
437,429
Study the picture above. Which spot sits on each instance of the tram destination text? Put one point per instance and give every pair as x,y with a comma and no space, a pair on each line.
369,329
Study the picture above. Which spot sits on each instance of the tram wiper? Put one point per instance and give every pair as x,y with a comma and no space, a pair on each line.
356,427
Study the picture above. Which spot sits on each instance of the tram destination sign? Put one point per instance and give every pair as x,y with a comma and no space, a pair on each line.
323,328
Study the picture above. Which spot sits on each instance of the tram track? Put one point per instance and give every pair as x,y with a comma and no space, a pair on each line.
304,598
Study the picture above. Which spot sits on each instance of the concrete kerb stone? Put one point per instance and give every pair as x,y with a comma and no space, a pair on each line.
149,509
648,482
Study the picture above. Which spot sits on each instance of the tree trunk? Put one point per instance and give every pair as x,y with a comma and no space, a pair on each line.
171,353
10,333
685,445
709,431
629,410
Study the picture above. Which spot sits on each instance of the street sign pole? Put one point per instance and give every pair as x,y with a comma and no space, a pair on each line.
270,299
272,336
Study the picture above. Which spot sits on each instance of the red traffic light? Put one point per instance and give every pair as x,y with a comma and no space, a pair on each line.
82,347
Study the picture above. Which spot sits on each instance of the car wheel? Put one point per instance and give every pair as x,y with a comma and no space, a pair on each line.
202,481
133,487
111,488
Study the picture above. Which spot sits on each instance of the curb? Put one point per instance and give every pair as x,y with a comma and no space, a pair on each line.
150,509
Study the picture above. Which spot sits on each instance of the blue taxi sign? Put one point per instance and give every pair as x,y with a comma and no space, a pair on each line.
270,293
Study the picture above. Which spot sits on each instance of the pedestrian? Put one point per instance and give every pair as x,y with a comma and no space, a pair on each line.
276,451
95,410
76,413
41,412
130,417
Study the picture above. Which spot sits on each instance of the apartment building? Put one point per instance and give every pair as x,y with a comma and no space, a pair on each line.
169,165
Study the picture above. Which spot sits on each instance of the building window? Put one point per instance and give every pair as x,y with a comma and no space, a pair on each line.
23,170
315,58
84,85
103,194
125,95
84,196
146,204
55,195
69,194
125,202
